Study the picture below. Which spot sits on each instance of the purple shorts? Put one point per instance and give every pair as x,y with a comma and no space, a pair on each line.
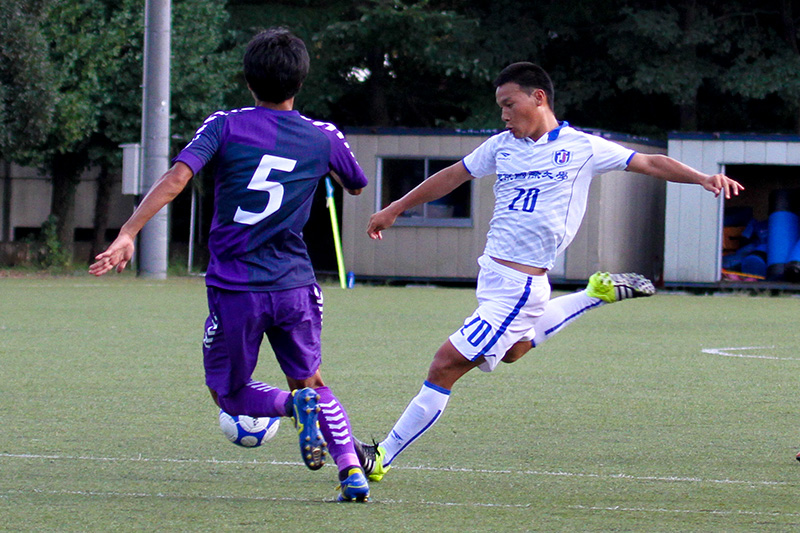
236,325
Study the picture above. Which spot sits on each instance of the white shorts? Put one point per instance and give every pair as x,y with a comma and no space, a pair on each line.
509,303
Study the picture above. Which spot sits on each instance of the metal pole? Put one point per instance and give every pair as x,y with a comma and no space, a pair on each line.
153,240
7,234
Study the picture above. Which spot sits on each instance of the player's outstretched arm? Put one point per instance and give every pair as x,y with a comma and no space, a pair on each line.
666,168
119,253
439,184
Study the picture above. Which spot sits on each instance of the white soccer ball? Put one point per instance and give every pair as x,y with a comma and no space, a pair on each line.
247,431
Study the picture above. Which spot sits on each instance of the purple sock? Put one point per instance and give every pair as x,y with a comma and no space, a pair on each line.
335,428
256,399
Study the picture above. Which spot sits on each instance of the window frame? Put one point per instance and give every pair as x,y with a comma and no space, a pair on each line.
425,221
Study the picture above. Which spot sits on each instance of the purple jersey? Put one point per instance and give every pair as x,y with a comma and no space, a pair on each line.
268,165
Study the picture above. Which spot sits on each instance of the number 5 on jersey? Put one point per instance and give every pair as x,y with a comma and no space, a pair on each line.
260,182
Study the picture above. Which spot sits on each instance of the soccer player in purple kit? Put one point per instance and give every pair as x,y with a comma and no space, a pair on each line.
260,281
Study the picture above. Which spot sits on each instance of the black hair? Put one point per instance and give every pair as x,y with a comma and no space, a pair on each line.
275,65
529,77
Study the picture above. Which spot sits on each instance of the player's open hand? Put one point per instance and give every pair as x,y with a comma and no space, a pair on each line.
380,221
117,255
719,183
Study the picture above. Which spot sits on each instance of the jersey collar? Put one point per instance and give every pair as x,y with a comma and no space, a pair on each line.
553,134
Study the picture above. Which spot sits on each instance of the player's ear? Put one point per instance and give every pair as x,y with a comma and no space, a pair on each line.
540,97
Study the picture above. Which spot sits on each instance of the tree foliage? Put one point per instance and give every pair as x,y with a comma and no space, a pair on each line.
26,80
644,66
405,63
80,61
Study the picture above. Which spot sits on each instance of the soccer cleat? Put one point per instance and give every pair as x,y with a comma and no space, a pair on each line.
371,457
798,457
306,421
354,487
366,455
616,287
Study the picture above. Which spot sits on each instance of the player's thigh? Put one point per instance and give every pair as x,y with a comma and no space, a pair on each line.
508,309
295,336
232,338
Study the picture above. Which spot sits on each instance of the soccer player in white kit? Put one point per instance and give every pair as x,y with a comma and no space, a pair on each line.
543,171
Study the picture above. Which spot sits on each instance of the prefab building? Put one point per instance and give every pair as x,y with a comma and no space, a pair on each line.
696,235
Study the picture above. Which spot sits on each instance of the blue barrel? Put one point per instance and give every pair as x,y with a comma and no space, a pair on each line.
784,231
792,270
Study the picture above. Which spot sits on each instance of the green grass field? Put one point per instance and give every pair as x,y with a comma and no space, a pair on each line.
673,413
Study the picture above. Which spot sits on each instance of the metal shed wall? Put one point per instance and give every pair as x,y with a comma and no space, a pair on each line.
420,252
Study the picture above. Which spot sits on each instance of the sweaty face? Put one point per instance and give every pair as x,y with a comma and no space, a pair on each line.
522,112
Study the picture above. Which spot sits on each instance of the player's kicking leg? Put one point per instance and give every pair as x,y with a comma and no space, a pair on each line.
602,288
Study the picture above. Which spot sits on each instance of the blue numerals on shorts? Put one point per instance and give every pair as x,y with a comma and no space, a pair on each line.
525,200
476,331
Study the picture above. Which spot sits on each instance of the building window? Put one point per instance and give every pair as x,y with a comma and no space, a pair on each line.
400,175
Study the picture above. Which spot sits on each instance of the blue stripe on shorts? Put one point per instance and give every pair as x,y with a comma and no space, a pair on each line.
511,316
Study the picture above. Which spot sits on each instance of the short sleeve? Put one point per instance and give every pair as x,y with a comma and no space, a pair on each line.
342,160
204,144
608,156
344,163
482,161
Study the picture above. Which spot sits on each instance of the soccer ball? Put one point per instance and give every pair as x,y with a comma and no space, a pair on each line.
247,431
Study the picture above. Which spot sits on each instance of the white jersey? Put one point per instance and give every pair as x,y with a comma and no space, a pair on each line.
541,189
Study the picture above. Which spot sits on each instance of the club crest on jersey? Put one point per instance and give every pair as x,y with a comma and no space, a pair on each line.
562,157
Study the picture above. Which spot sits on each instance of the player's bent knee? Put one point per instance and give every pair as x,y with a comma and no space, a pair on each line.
449,365
516,352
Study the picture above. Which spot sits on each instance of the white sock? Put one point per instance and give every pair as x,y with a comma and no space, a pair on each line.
561,312
420,415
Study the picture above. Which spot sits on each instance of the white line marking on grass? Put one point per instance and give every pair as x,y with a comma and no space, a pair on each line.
668,479
221,497
733,352
155,495
114,494
142,459
682,511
